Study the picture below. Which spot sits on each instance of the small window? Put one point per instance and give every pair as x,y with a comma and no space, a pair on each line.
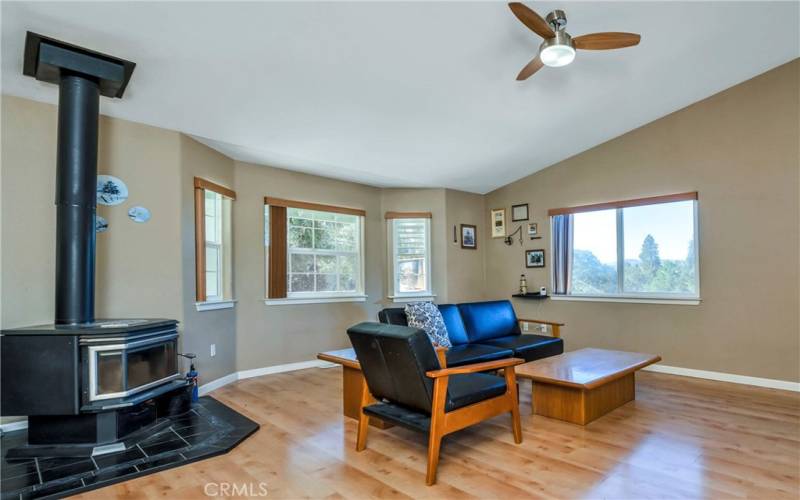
214,248
313,251
410,246
643,248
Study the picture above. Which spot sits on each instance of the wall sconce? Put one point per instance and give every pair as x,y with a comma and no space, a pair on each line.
510,238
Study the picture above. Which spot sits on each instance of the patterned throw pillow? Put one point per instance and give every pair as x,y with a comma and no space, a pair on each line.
426,316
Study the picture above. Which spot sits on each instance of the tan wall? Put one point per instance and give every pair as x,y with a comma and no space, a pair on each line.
138,271
218,327
28,215
138,265
278,334
739,150
465,268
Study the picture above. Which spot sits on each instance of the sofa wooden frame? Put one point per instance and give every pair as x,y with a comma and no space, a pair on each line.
556,327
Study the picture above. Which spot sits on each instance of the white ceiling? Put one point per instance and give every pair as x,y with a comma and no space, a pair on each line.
404,94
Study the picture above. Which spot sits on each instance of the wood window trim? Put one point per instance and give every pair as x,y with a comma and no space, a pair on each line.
280,202
199,243
277,286
636,202
408,215
200,186
200,183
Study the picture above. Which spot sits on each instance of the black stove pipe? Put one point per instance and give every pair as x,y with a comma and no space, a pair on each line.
76,197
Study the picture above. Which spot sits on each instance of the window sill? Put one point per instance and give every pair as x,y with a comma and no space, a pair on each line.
403,299
630,300
314,300
213,305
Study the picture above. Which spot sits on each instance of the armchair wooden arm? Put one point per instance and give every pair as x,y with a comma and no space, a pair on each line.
556,326
441,354
476,367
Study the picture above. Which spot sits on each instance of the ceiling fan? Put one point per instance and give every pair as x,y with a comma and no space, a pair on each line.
558,48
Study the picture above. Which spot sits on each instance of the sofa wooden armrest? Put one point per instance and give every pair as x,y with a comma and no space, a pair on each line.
554,325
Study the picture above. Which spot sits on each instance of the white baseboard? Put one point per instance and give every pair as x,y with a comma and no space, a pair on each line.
302,365
289,367
258,372
216,384
726,377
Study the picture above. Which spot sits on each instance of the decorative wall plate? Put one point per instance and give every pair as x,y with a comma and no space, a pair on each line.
100,224
111,190
139,214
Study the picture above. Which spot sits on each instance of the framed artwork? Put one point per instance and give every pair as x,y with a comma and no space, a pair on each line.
100,224
139,214
534,258
111,190
469,236
533,229
519,212
499,223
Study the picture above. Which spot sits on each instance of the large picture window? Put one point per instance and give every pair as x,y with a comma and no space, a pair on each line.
645,248
213,242
313,251
410,253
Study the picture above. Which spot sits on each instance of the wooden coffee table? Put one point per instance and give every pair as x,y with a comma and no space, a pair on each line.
583,385
352,384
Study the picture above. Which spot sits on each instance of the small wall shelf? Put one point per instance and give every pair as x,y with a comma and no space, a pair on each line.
535,296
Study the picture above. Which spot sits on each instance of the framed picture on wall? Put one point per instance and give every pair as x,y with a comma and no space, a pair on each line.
469,236
534,258
519,212
499,223
533,229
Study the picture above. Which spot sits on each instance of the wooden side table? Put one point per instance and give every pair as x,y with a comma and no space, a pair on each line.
352,384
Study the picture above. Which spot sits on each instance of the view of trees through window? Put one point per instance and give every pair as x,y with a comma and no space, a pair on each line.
658,251
410,241
323,251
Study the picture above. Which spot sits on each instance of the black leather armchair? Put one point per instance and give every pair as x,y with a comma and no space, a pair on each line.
414,389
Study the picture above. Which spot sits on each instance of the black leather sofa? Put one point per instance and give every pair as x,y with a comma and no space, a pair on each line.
484,331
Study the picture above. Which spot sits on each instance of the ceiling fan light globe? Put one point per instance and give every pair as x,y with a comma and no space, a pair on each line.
556,56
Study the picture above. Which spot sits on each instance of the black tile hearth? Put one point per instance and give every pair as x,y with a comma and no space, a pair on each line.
210,428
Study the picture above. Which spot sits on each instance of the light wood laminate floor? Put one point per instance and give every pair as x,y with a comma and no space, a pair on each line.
681,438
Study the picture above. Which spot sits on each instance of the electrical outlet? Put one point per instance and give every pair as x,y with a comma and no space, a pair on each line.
524,326
213,350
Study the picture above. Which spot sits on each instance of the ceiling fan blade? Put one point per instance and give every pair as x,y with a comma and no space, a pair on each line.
605,41
529,69
532,20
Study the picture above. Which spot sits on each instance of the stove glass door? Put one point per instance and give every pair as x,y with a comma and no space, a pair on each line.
148,365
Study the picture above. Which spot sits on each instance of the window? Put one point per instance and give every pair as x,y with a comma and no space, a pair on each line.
213,245
410,253
644,248
313,251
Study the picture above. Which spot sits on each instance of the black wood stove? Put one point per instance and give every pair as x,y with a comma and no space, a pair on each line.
86,385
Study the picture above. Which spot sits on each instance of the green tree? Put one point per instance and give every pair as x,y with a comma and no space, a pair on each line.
589,275
649,257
